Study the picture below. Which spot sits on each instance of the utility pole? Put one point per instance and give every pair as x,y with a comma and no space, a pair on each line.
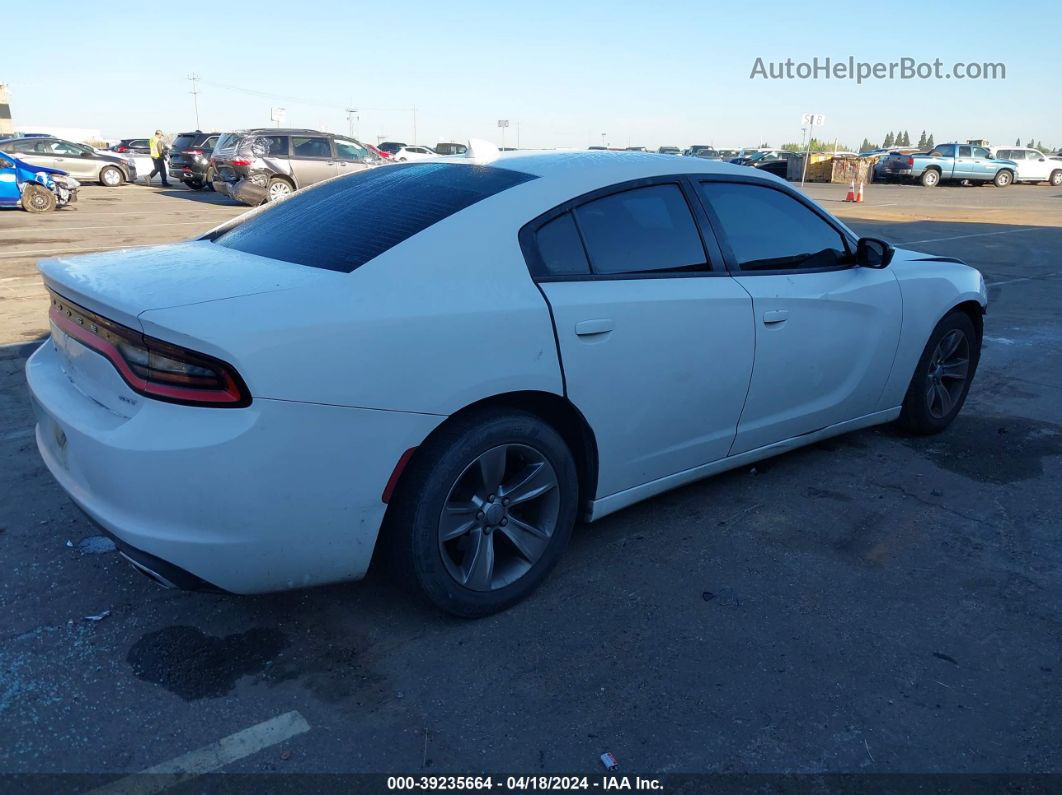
414,125
602,139
351,115
195,96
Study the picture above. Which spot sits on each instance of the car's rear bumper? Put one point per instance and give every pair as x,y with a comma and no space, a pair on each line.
251,191
274,496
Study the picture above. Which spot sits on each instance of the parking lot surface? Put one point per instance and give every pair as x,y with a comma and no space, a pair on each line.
870,603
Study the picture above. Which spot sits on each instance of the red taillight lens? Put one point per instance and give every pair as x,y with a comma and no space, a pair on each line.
122,149
910,162
241,162
152,367
193,151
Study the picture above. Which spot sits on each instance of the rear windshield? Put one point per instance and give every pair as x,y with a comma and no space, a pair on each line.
183,141
343,223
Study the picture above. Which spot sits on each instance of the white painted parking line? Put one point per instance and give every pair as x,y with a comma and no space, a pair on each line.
1024,279
210,757
107,226
979,234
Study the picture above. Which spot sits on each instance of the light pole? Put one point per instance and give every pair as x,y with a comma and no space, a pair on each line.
351,115
195,96
602,140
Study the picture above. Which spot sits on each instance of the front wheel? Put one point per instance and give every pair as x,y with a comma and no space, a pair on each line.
1003,178
930,178
111,177
484,511
943,375
1055,179
37,199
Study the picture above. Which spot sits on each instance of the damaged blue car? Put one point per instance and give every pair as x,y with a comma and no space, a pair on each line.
34,188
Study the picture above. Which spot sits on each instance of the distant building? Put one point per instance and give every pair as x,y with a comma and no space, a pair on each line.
6,125
978,142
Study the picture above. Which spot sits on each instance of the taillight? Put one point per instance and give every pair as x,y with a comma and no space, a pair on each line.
241,162
152,367
122,149
193,151
910,162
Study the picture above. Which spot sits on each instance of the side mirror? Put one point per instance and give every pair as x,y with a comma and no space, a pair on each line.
873,253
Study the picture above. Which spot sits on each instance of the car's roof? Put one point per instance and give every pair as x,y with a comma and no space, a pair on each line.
613,166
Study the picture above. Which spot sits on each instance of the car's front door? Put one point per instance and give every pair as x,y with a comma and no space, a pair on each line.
9,192
656,345
312,159
983,162
1037,166
826,330
74,160
351,156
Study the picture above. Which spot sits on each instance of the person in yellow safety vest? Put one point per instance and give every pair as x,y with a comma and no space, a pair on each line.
157,147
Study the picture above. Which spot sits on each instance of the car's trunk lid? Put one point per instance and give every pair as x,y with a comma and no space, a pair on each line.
120,285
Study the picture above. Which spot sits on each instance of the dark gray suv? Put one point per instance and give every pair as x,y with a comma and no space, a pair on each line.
266,164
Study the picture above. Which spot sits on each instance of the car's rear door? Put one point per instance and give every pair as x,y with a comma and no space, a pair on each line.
312,159
826,330
656,340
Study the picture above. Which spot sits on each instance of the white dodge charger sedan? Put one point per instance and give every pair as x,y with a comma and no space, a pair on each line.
456,359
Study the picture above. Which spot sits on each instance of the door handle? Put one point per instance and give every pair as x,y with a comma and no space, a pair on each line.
775,316
587,328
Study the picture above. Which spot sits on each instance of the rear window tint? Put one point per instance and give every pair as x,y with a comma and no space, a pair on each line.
183,141
343,223
560,247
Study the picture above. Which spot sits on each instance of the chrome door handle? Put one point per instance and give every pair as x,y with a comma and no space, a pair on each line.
586,328
775,316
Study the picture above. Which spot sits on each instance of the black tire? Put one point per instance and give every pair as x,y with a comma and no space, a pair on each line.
111,176
37,199
1003,178
1055,179
414,523
274,184
930,178
922,411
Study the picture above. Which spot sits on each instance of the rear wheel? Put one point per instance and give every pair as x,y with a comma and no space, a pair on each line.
930,178
1003,178
484,512
37,199
111,177
279,188
942,378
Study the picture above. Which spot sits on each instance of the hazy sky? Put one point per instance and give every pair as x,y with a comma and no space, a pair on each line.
643,73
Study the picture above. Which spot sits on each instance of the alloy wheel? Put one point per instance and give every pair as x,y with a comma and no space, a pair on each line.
499,517
949,367
278,190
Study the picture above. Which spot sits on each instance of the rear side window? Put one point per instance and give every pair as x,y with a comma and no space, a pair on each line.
767,229
310,146
560,248
947,150
640,230
343,223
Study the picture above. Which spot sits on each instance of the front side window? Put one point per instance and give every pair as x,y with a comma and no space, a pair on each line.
641,230
768,230
350,150
980,152
341,224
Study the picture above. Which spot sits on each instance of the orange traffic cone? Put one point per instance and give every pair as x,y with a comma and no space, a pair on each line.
851,192
859,196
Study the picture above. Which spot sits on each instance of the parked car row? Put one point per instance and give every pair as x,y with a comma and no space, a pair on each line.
78,160
972,164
